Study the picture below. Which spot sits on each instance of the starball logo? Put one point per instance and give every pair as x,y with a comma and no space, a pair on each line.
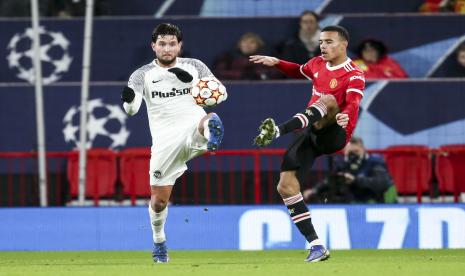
54,55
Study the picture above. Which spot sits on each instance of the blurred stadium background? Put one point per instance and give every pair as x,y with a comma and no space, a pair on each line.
225,200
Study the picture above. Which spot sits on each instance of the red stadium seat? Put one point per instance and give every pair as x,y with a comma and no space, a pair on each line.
410,167
134,172
450,169
100,173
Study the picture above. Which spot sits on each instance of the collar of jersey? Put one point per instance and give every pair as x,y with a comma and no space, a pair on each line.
332,68
154,62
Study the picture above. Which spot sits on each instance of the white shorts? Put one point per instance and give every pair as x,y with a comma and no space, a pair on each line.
168,159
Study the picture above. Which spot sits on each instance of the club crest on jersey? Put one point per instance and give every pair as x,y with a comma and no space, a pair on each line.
333,83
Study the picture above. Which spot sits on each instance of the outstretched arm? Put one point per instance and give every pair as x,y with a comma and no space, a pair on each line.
265,60
290,69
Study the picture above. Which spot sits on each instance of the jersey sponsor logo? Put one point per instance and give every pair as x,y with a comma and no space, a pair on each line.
357,78
315,75
155,81
173,93
333,83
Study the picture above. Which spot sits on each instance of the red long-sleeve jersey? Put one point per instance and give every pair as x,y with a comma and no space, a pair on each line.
345,82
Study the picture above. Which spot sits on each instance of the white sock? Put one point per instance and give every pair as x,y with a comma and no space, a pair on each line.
316,242
206,129
157,220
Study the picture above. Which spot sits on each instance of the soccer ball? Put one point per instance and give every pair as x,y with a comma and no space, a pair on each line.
209,92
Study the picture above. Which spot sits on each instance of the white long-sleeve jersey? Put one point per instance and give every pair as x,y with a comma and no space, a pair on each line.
170,107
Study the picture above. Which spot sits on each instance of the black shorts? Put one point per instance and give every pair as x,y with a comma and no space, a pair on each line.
310,143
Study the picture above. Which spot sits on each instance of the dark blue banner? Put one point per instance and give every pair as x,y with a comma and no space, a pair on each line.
416,112
109,127
120,46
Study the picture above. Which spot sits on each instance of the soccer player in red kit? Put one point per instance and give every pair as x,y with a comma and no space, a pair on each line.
326,125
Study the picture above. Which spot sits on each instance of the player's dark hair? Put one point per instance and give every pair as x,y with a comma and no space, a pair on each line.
166,29
373,43
342,32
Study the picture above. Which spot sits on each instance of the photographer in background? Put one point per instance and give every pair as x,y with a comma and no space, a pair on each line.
361,178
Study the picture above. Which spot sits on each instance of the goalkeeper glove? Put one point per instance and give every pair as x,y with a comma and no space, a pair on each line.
127,95
182,75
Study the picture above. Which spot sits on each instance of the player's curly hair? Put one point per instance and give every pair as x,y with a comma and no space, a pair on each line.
166,29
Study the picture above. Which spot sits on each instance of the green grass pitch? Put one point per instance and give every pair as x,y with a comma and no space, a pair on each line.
222,263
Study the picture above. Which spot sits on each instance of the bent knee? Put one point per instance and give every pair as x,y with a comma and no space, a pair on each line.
330,102
158,204
286,183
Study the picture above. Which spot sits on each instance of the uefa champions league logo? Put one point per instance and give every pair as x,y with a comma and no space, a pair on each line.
106,123
53,55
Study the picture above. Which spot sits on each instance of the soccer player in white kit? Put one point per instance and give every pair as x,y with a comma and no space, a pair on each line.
180,129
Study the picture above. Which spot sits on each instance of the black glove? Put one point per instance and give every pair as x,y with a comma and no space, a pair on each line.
182,75
128,94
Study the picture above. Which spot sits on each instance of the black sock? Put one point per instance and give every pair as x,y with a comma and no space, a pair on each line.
301,120
301,216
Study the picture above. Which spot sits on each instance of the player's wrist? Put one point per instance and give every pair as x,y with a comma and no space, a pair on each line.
128,95
181,74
